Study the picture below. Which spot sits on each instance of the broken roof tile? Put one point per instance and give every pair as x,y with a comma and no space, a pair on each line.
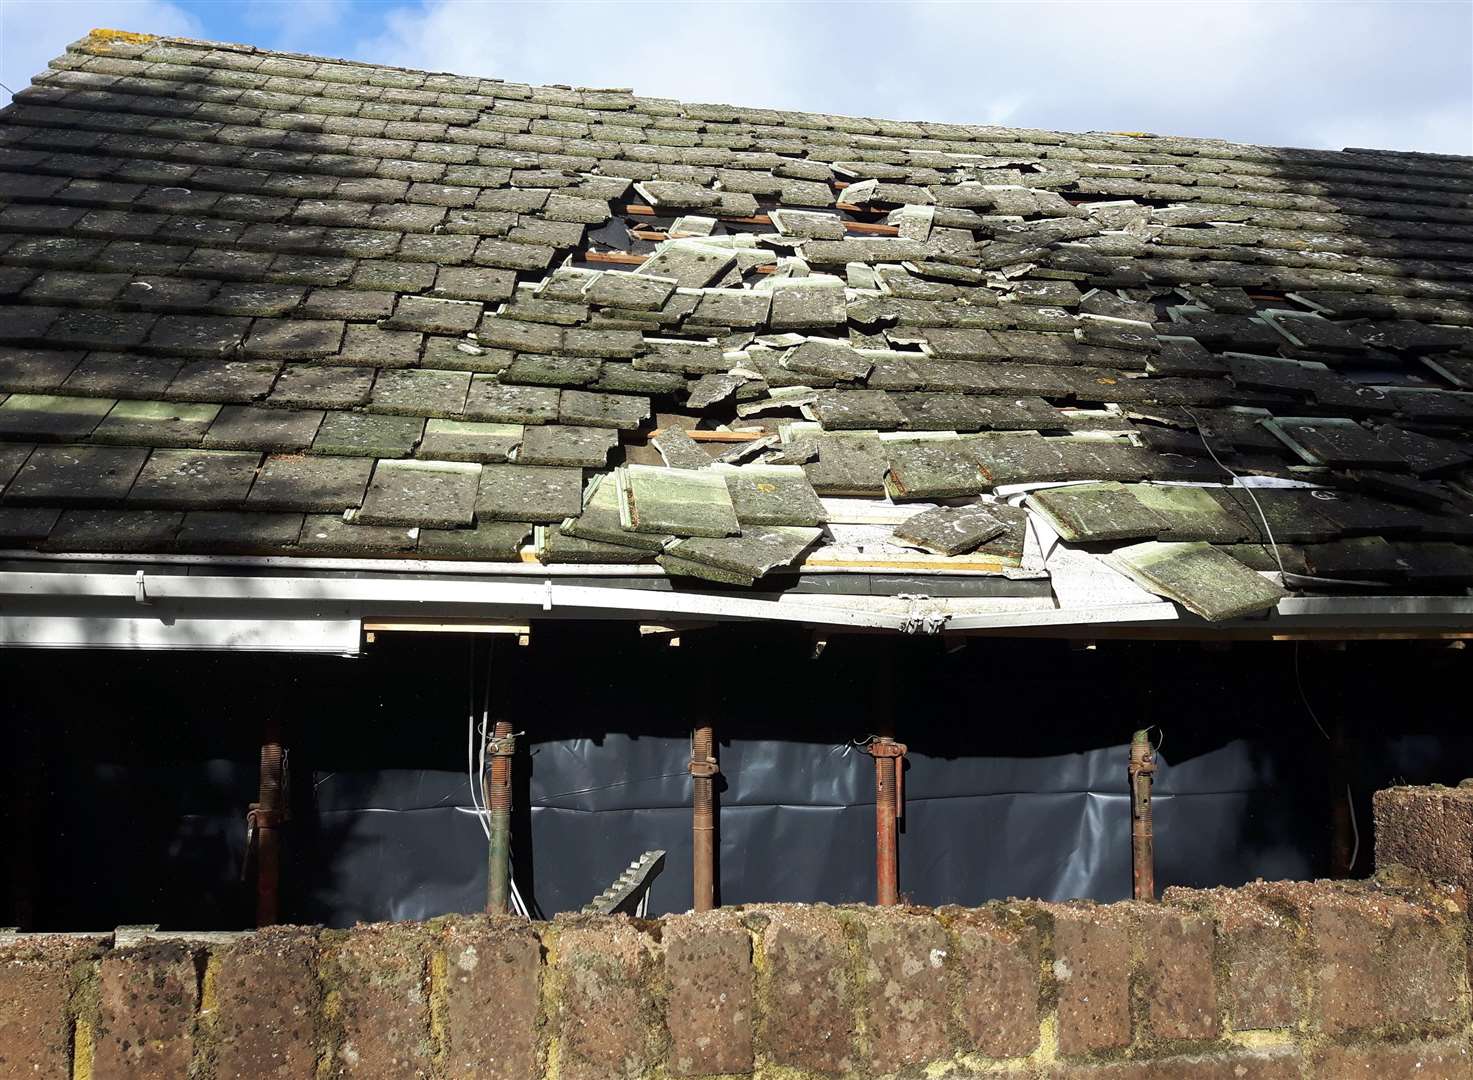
952,530
1200,577
1315,323
680,502
469,440
564,444
1096,512
751,555
772,495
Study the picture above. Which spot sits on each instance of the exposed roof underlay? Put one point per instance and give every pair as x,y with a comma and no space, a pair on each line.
268,314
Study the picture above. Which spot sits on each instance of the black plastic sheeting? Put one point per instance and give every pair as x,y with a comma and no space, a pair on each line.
140,771
797,823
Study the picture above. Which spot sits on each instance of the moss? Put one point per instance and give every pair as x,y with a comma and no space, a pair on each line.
102,35
439,1031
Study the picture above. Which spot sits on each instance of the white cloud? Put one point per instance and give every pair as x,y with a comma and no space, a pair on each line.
32,33
1398,75
293,27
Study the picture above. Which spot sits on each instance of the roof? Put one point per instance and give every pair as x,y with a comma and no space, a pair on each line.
259,304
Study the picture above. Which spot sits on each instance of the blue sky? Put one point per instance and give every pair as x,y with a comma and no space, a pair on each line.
1331,73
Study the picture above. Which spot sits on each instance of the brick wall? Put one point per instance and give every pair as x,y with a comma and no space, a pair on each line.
1266,982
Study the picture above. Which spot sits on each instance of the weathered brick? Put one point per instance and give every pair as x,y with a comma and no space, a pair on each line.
1432,1061
1381,960
147,1000
807,1011
997,966
1282,1066
1178,981
903,990
35,988
493,971
1258,950
266,1007
1428,829
1092,973
376,979
708,963
604,1025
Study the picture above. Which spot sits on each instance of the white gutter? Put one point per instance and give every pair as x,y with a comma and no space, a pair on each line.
323,613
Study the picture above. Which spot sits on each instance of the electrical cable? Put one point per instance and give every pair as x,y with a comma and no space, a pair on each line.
475,778
1284,575
1238,480
1304,697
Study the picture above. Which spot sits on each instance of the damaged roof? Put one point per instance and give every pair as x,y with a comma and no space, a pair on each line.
264,304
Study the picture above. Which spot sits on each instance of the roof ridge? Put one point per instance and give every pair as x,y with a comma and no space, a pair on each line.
103,35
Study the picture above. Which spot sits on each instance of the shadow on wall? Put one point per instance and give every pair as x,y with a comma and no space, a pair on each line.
138,769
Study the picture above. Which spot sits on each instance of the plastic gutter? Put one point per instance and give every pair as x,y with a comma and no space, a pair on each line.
319,610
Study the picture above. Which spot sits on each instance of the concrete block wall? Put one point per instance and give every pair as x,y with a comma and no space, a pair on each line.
1273,981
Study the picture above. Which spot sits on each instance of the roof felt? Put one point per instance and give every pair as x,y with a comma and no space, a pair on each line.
242,287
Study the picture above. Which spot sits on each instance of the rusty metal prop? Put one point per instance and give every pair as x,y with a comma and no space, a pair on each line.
703,773
501,745
889,758
1142,773
263,824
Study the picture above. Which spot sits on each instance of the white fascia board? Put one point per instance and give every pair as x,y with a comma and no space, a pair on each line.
165,631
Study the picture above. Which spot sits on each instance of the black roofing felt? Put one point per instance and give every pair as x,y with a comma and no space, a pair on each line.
240,288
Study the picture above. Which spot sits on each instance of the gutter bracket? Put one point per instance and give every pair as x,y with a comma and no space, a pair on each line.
140,590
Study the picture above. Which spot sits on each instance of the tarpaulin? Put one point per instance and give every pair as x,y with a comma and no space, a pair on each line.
796,823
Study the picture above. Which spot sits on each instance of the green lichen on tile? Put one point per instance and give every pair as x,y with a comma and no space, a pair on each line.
563,444
536,493
51,418
195,479
772,495
681,502
425,493
622,411
678,567
469,440
225,532
310,483
952,530
553,546
489,399
356,434
76,475
115,530
1201,578
416,392
329,534
1195,513
600,520
931,468
156,423
494,541
1096,512
756,552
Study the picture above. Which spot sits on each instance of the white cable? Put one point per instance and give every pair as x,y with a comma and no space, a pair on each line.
470,746
1354,828
1284,574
